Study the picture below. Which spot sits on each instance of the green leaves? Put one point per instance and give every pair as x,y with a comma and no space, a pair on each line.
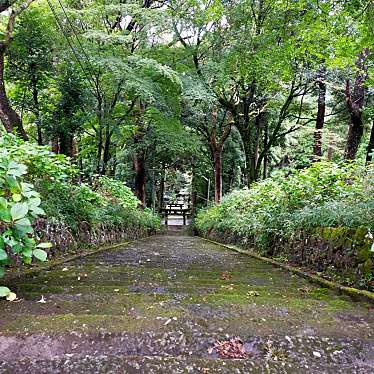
15,169
3,255
40,254
4,291
19,211
44,245
19,205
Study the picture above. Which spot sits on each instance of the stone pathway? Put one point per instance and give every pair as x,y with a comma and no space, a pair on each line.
158,305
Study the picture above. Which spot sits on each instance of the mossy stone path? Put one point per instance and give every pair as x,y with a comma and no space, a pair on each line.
158,305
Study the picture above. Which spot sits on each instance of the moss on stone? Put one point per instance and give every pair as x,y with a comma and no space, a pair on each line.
367,268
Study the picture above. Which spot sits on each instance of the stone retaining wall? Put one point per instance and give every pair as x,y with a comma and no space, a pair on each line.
335,251
64,240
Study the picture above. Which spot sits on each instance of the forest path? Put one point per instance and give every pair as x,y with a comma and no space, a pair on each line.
157,306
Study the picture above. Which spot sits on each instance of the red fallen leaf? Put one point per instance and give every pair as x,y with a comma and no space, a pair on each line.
225,275
232,348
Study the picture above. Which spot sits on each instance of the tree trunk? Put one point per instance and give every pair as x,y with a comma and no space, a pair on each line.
355,103
106,154
162,189
370,148
217,156
55,148
320,120
66,144
255,166
8,116
140,177
140,157
266,152
99,112
355,132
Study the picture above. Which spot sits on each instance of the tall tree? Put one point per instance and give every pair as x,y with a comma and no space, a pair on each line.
321,110
355,99
8,116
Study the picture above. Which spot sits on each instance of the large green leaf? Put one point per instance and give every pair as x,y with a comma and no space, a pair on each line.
34,202
40,254
3,255
4,291
16,169
44,245
3,202
19,211
5,215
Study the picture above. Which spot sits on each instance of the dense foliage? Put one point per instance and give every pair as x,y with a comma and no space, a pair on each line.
53,195
324,195
264,102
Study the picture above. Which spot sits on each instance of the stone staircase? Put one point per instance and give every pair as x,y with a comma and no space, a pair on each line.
160,304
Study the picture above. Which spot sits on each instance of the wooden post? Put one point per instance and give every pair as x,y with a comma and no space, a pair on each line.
166,217
184,218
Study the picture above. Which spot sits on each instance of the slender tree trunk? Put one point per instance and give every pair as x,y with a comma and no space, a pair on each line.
140,176
217,156
162,188
66,144
370,148
355,132
99,111
355,103
266,153
55,146
255,169
320,120
139,157
8,116
106,154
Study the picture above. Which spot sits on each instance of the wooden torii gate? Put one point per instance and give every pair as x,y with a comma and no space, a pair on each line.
176,210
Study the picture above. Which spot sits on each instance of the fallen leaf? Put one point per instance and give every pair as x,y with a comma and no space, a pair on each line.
11,296
253,293
226,275
232,348
42,300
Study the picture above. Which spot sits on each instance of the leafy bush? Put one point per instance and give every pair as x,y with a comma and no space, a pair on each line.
326,194
19,206
55,194
113,188
70,204
40,161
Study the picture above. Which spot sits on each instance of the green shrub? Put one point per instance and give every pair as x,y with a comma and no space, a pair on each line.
326,194
113,188
19,206
40,161
70,204
57,196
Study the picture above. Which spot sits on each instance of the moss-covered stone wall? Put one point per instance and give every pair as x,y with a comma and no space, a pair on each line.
343,251
337,252
65,240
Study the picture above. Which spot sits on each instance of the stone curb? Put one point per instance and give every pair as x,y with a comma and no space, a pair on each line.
355,293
